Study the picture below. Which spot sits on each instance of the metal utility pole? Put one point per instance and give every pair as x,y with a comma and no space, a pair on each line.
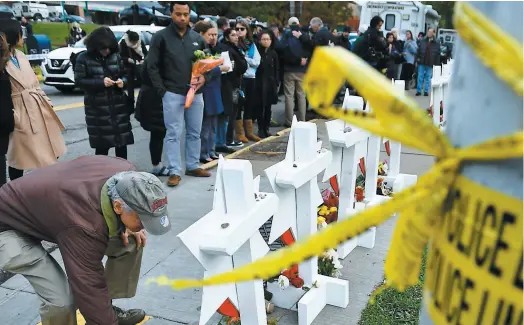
292,8
481,106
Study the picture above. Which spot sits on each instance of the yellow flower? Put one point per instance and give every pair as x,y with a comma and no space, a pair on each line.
333,209
320,220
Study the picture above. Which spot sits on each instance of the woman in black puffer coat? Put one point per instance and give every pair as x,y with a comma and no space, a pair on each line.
99,71
7,121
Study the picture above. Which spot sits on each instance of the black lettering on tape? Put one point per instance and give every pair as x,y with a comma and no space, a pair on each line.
463,213
500,244
517,282
452,282
480,316
437,264
453,215
481,259
506,314
464,305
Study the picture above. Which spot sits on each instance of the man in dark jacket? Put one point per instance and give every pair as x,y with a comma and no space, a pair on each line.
294,49
428,55
169,65
91,206
343,40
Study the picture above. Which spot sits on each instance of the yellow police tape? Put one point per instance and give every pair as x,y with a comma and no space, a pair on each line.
505,59
396,117
474,268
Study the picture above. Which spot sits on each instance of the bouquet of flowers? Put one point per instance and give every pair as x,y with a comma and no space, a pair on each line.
203,64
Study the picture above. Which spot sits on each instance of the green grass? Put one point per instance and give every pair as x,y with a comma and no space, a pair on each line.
392,307
58,32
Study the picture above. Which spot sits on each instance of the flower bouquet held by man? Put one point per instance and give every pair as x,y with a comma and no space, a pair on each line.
203,64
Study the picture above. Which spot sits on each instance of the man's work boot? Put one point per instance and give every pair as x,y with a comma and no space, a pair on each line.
199,172
248,126
173,180
239,132
129,317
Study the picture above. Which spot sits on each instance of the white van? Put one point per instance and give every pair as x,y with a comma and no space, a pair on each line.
32,10
402,15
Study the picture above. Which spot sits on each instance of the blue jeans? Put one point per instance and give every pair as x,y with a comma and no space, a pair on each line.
425,72
208,136
174,117
221,131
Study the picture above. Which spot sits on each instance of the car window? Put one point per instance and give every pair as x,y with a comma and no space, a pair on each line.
390,21
126,12
146,37
4,8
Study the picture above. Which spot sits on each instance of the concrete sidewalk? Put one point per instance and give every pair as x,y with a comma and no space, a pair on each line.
164,255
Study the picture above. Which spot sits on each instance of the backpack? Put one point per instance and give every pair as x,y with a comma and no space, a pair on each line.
293,47
73,58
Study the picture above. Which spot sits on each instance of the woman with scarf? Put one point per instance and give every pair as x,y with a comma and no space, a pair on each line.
133,52
244,131
99,71
267,77
231,83
36,140
213,105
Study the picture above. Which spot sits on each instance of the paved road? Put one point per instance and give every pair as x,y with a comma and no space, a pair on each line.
164,255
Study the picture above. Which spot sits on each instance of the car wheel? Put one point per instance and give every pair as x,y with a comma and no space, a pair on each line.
37,17
65,89
124,22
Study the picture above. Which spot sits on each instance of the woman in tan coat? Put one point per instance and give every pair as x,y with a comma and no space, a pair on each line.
36,140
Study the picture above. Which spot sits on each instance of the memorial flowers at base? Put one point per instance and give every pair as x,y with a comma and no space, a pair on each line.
329,262
329,209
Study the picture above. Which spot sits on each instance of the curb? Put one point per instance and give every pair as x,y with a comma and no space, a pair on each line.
214,163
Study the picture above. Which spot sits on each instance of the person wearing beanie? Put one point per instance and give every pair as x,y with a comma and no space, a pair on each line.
90,207
36,140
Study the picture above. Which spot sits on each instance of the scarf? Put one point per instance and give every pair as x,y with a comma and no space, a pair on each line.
137,47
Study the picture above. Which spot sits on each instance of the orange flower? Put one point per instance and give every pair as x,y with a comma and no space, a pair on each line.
359,193
233,320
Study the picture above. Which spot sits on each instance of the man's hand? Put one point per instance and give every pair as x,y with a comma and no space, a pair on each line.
108,82
224,68
198,82
297,34
140,238
119,83
303,62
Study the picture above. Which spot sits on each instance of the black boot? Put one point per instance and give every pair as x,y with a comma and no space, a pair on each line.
129,317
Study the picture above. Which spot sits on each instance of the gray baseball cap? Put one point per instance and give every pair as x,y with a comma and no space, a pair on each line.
144,193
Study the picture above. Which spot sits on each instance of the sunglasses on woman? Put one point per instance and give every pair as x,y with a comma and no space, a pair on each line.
240,29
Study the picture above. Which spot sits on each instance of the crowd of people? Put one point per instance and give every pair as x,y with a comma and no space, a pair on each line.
233,102
96,206
400,58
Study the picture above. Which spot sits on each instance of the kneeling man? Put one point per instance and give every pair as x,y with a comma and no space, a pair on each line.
91,207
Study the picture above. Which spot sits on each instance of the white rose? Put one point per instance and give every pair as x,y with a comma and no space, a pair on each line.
283,282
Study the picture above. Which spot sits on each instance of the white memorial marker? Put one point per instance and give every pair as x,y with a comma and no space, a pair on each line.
229,237
348,145
294,181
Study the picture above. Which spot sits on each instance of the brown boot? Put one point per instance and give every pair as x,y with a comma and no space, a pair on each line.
173,180
239,132
248,125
